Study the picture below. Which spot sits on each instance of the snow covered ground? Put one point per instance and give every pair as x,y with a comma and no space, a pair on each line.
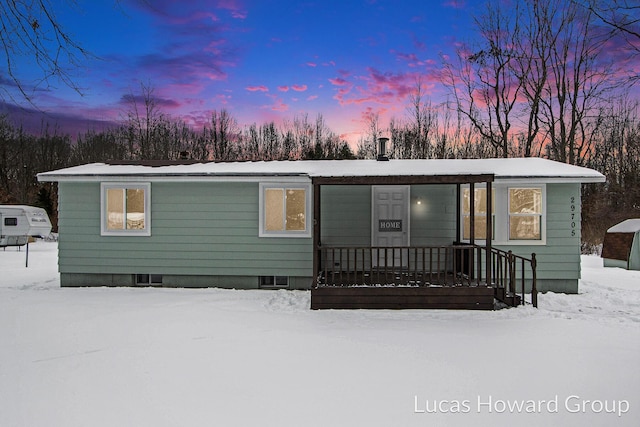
213,357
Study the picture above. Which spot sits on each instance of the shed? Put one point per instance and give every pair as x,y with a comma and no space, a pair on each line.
621,247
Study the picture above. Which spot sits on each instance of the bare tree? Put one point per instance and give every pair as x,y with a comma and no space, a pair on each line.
367,146
483,84
623,16
579,78
223,136
31,37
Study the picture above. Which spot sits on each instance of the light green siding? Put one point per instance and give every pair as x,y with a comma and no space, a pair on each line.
346,215
197,228
634,255
559,259
433,220
206,234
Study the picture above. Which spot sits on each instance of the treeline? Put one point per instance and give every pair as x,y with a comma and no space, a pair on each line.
426,132
152,135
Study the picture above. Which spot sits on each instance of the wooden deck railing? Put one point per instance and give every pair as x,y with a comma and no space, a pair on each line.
452,265
510,273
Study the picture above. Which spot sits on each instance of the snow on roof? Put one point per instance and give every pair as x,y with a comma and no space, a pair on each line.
627,226
512,168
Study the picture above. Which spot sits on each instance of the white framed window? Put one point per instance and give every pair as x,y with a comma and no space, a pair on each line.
518,213
525,213
285,210
125,209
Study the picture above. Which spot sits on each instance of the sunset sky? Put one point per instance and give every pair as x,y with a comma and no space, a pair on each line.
260,60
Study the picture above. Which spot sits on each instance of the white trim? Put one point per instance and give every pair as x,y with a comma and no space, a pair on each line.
280,178
292,185
501,214
185,178
105,185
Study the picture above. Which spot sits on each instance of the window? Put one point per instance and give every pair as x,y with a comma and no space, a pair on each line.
274,281
518,214
148,279
480,210
525,213
285,210
126,209
11,221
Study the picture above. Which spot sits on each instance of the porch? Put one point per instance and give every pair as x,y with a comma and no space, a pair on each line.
400,268
424,277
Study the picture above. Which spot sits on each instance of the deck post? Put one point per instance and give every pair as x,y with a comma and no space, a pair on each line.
534,288
472,214
489,234
458,212
316,233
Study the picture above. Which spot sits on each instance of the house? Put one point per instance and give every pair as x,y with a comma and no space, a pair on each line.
621,246
347,226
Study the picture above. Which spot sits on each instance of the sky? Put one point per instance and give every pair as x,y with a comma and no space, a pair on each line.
260,60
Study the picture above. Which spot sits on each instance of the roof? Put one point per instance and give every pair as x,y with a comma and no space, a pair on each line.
21,207
627,226
511,169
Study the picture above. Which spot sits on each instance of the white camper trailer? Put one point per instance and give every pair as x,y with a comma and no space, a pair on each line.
18,223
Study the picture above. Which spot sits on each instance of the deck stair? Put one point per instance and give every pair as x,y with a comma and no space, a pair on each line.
509,298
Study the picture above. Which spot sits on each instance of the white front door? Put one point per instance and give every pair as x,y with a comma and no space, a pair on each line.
390,223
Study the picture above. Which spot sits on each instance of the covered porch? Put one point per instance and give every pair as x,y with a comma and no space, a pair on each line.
413,273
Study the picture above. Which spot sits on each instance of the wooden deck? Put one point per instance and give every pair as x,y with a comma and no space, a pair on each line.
448,277
403,297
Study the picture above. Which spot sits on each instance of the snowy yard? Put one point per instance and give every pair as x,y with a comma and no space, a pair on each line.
213,357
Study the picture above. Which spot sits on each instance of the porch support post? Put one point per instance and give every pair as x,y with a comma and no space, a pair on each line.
489,231
472,214
458,212
316,233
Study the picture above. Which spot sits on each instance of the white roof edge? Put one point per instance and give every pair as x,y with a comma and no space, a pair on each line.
512,169
627,226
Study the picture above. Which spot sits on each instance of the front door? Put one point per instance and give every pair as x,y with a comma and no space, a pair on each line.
390,225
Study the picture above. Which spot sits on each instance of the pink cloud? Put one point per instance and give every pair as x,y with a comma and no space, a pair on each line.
312,97
283,88
311,64
278,104
260,88
382,88
411,59
419,44
338,81
455,4
234,8
214,46
222,98
299,88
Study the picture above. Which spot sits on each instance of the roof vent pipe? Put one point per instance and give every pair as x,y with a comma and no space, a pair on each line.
382,149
